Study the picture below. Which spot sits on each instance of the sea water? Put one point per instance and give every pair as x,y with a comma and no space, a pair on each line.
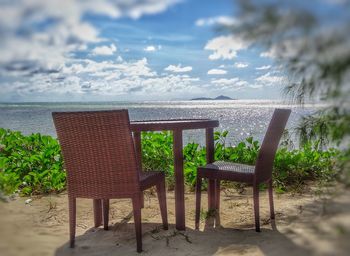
242,118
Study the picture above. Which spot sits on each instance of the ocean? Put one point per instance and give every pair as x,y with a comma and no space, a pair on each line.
242,118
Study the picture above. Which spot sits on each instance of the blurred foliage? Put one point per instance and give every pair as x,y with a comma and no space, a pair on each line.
313,47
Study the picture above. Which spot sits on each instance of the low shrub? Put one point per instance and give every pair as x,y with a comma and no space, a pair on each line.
33,164
30,164
292,168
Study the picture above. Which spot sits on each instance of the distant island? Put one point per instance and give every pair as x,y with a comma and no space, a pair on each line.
221,97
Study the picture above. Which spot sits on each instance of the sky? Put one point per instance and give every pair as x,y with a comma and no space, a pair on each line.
129,50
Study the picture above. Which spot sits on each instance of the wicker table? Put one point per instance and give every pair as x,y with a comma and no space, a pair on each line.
176,126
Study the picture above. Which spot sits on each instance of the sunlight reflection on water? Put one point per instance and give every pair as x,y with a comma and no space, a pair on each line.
242,118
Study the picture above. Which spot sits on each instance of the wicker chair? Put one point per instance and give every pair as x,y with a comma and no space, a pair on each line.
100,161
254,175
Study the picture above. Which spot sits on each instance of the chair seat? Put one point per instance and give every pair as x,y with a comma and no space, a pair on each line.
227,171
150,178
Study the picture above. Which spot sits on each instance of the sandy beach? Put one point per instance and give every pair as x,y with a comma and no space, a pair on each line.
306,224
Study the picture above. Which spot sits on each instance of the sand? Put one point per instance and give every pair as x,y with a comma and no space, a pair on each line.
306,224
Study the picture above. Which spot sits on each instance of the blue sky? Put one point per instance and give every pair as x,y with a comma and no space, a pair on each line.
63,50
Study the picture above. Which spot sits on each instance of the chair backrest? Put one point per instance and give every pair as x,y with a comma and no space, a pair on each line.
98,153
266,157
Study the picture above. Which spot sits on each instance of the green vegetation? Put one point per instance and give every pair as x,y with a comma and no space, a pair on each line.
33,164
292,167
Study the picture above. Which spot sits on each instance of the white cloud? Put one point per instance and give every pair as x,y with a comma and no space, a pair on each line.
136,9
170,83
38,10
256,86
53,47
270,79
216,72
265,67
240,65
178,68
150,48
119,58
219,20
225,80
88,79
268,54
225,47
104,50
105,68
232,83
45,60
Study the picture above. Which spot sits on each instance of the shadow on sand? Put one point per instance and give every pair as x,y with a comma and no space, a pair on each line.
120,240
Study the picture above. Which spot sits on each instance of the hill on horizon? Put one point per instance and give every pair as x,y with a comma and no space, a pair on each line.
221,97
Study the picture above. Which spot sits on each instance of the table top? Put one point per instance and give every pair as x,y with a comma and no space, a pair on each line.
173,124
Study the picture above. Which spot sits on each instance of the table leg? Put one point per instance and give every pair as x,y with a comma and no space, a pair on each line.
209,132
97,205
179,181
138,150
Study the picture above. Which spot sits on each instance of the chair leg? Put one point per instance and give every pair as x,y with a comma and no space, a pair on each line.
137,219
142,200
272,209
198,200
217,196
256,207
72,220
211,194
97,205
162,203
105,213
217,203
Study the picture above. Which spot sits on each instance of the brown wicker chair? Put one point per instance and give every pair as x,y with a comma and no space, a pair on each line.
100,161
254,175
